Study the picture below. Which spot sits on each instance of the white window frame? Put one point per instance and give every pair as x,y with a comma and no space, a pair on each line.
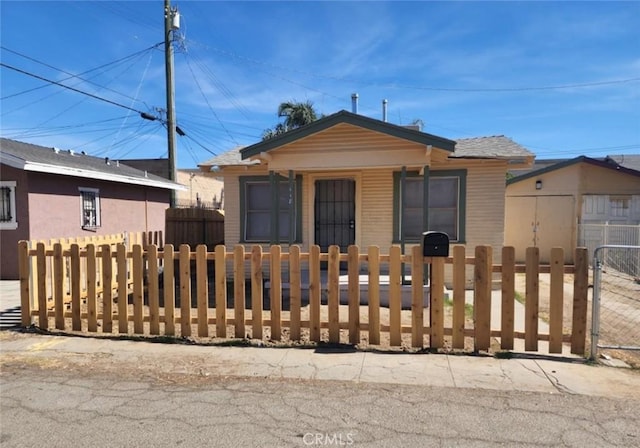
13,224
98,222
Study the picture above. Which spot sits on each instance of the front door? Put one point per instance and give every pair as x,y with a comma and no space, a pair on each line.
335,213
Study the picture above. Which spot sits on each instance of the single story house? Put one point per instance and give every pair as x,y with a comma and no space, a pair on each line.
350,179
545,207
51,193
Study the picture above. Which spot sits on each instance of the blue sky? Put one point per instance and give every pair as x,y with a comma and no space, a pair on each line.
560,78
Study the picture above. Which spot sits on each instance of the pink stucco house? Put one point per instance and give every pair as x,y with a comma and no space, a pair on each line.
51,193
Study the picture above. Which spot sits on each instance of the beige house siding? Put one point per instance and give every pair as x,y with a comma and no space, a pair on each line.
376,225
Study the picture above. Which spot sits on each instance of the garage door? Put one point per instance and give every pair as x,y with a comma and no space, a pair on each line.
543,222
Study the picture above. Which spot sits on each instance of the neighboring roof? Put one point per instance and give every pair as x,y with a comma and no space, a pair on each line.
30,157
350,118
631,161
566,163
493,147
229,158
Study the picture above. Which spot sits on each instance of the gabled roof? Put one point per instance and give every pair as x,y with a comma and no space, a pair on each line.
570,162
493,147
30,157
349,118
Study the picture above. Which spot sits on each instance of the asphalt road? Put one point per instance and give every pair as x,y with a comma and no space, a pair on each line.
57,406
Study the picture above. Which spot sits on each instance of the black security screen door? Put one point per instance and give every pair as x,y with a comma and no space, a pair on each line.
335,211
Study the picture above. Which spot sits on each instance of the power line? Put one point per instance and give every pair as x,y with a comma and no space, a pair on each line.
33,75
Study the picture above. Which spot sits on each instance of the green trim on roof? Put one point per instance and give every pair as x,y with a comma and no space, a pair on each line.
570,162
353,119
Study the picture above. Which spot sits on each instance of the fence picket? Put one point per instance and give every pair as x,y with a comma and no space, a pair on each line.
256,292
123,293
556,300
295,291
353,261
92,274
76,323
221,292
58,279
202,291
138,291
154,293
107,291
532,298
459,279
41,269
507,321
275,299
482,298
417,297
333,285
185,290
374,294
238,290
169,287
395,299
580,301
314,293
436,291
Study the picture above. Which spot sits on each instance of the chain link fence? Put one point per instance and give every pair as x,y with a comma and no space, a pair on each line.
616,303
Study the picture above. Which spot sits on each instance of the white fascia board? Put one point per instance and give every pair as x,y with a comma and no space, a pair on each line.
67,171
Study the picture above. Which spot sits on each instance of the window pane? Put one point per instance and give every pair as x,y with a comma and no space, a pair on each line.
414,194
258,196
413,223
258,226
444,220
443,192
5,204
89,209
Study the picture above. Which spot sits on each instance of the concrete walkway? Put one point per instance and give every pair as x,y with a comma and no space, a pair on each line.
531,373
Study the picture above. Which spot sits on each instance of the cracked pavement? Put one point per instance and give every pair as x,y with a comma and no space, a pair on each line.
66,391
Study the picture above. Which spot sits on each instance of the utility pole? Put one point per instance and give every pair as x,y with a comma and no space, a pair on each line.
171,23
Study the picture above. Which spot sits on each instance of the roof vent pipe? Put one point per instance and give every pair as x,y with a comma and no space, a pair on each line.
384,110
354,103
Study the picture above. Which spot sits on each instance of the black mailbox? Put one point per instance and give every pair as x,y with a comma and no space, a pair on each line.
435,244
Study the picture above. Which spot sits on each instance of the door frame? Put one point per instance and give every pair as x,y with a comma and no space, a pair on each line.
311,196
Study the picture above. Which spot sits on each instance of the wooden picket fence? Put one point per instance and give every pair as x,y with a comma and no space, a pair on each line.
231,305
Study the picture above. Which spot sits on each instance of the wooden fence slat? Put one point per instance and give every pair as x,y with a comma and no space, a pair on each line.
395,299
202,290
24,275
580,301
41,269
169,286
239,290
295,291
417,297
353,261
185,290
58,279
556,300
107,289
436,291
138,290
459,302
92,277
256,292
221,292
275,298
333,285
123,293
507,319
532,298
482,298
314,293
76,323
374,294
154,290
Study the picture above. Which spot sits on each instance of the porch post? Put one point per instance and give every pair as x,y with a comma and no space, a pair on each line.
275,207
292,207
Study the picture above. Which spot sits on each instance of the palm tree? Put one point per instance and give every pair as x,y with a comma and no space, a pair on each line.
295,115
